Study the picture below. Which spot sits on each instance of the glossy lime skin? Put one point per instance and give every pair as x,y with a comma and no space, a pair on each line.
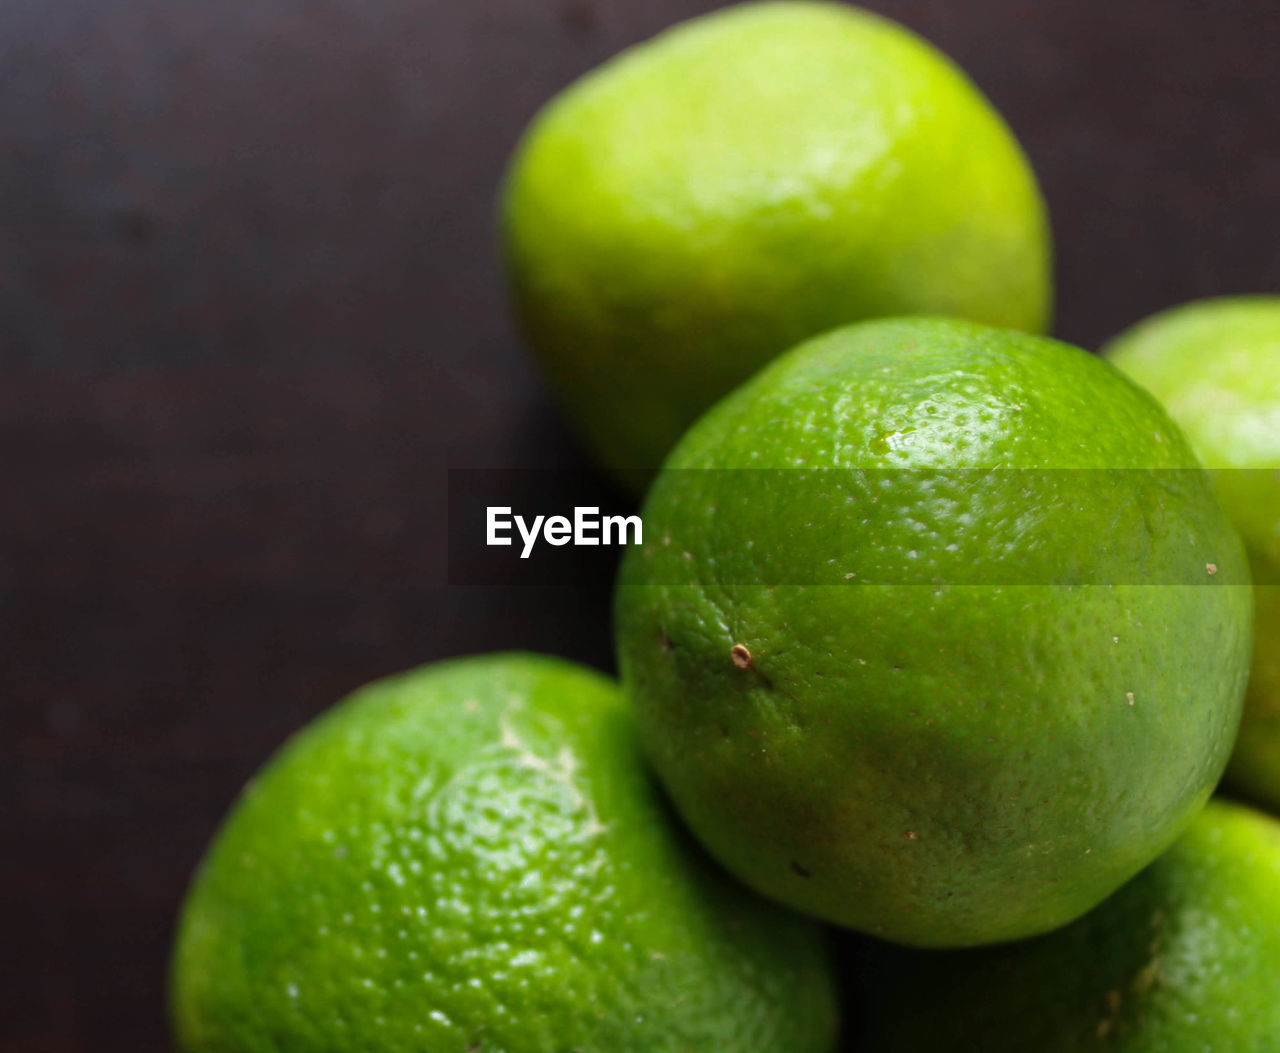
1183,959
745,180
1215,364
471,857
977,701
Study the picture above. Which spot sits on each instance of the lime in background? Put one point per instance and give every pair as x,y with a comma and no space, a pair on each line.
1215,364
1183,959
704,201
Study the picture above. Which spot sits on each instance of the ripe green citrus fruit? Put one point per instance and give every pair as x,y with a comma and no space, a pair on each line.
471,857
745,180
1215,365
1183,959
937,631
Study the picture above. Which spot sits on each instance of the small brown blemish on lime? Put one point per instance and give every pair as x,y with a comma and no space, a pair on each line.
911,835
1147,976
798,869
1129,697
740,655
667,644
1212,568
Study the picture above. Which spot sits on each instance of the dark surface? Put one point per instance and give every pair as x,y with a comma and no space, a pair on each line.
250,314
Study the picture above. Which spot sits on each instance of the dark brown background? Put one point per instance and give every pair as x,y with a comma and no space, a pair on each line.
250,314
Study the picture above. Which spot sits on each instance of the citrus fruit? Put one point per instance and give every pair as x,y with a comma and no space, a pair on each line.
1215,364
937,631
1184,958
471,857
747,179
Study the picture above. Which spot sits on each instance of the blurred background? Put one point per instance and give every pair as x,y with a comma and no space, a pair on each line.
251,314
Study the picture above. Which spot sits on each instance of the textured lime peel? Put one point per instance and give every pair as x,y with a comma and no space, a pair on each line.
940,764
471,857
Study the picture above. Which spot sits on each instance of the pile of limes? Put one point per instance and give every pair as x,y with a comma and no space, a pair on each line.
942,630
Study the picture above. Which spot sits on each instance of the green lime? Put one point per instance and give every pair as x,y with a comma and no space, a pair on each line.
471,857
938,631
745,180
1215,365
1183,959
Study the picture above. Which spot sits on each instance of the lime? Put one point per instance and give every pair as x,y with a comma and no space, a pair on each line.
471,857
745,180
1183,959
937,631
1215,365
